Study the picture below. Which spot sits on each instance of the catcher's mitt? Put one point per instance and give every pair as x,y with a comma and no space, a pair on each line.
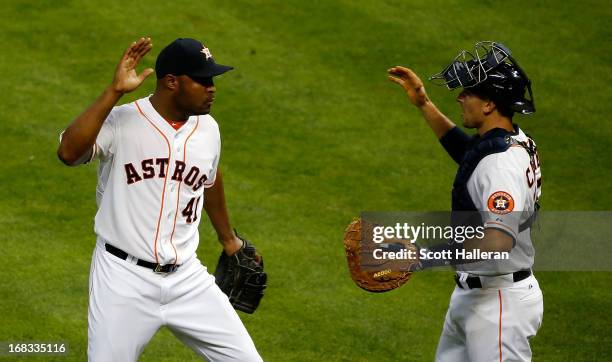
368,270
241,277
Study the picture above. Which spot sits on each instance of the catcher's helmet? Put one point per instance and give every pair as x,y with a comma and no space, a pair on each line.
493,74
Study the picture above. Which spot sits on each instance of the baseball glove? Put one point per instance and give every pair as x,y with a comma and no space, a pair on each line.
241,277
369,269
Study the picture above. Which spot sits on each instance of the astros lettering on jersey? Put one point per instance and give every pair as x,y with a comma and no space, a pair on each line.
145,161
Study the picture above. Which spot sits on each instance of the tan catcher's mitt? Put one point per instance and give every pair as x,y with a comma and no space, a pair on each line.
369,269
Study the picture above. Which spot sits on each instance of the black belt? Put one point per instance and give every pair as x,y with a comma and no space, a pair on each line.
158,268
474,282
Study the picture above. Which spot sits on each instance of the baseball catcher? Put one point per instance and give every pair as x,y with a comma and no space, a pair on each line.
378,267
241,277
497,305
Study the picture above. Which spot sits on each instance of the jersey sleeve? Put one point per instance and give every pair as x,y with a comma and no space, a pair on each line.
104,146
498,191
210,178
85,158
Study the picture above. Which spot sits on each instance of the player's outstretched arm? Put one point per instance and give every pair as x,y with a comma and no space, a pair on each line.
413,85
81,134
216,208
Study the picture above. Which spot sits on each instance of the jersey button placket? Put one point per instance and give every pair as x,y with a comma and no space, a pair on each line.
178,156
170,200
174,186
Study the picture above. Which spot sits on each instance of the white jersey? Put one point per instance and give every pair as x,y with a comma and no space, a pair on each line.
151,181
506,185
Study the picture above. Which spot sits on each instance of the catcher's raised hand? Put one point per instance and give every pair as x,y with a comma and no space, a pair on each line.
412,84
126,78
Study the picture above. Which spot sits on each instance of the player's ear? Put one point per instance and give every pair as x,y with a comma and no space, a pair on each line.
488,106
169,81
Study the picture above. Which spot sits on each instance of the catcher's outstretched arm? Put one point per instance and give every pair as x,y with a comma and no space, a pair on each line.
216,208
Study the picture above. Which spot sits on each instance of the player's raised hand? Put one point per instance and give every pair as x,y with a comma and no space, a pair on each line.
126,78
412,84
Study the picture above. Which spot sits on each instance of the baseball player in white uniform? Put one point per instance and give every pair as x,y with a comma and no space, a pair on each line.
159,159
497,305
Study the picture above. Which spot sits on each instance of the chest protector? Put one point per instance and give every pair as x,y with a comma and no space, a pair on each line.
465,212
498,141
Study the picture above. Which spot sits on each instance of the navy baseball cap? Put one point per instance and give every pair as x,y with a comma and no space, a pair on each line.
186,56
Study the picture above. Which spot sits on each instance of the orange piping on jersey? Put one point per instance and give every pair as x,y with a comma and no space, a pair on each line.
505,227
161,209
178,196
500,324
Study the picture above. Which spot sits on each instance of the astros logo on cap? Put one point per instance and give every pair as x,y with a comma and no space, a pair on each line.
206,53
500,202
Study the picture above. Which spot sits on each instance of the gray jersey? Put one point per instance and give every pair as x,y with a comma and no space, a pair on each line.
505,187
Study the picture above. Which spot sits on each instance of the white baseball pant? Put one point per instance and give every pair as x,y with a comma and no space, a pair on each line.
493,323
129,303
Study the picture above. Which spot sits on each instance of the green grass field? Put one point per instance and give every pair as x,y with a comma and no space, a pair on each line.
313,134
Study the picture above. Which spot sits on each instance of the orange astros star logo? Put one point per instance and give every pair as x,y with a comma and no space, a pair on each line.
500,202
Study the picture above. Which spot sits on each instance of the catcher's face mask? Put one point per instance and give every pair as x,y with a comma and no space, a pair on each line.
468,70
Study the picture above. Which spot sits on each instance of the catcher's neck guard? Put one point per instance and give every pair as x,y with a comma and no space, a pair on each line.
468,70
